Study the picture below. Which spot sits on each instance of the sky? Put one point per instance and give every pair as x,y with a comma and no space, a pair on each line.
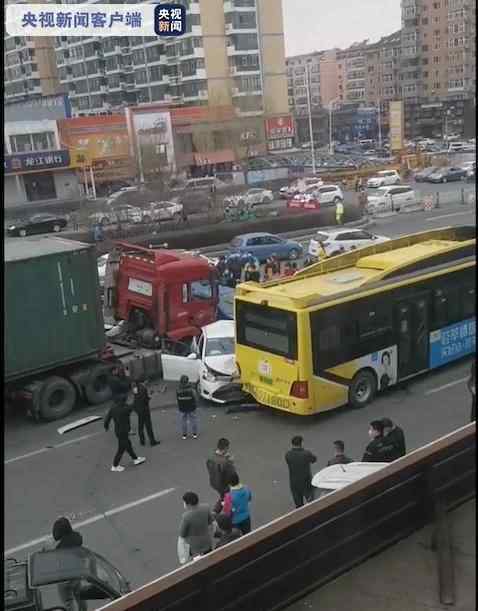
316,25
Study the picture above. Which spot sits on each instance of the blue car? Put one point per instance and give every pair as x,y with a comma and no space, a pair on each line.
264,245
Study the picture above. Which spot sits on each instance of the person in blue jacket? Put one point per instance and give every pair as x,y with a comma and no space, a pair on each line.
236,504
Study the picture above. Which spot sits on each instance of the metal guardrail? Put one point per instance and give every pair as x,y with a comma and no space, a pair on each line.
282,561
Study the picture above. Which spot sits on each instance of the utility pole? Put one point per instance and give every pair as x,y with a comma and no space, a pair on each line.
331,110
379,123
311,133
93,185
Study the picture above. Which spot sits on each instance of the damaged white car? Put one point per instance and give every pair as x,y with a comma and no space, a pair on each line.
215,352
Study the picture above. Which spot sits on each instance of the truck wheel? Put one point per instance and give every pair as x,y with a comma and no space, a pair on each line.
363,389
97,390
58,398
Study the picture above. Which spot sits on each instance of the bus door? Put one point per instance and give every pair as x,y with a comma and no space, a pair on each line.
412,331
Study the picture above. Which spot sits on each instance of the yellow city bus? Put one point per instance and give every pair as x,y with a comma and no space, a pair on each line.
346,328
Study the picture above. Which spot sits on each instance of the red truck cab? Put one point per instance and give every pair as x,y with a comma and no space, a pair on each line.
171,292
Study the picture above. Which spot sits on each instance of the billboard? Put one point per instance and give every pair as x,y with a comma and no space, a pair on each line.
27,162
151,139
396,126
38,109
280,132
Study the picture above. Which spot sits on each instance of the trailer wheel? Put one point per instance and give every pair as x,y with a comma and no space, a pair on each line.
57,399
97,390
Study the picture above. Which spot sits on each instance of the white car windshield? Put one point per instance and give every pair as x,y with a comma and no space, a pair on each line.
218,346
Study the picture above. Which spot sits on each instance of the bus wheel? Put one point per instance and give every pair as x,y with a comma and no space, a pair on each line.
363,389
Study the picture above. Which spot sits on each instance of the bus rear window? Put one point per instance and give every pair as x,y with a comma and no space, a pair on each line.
268,329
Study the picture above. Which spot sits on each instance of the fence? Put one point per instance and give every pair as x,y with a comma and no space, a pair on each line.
282,561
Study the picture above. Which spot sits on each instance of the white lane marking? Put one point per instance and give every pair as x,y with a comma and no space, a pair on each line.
444,216
449,385
48,449
92,520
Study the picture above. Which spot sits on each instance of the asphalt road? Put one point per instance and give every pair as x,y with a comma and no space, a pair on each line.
132,517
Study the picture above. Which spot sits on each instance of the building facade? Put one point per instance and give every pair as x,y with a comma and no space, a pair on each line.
351,66
30,69
36,166
438,67
232,54
297,68
329,77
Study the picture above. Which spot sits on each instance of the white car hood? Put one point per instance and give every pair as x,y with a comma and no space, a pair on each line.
223,363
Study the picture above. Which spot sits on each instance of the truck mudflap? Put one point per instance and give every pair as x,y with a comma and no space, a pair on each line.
233,394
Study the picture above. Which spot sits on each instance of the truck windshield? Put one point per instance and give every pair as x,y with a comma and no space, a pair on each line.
269,329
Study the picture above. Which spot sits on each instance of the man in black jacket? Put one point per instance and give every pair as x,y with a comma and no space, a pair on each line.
120,414
186,398
141,407
300,476
64,534
378,450
394,435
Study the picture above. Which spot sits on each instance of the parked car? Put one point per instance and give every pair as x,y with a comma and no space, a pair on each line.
138,195
253,197
207,182
331,242
448,174
299,186
162,211
215,352
459,147
35,584
263,245
37,223
422,175
469,167
388,198
308,200
383,178
121,213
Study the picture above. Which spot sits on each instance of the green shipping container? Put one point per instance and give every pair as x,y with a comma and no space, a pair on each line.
52,305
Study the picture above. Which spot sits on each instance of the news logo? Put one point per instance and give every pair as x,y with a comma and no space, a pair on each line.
169,19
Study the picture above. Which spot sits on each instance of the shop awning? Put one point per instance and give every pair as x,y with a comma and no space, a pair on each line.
213,157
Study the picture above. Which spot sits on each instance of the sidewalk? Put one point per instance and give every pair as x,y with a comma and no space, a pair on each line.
405,576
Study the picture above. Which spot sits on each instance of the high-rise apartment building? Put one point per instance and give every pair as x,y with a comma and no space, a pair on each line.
297,68
438,66
29,68
329,77
351,73
232,53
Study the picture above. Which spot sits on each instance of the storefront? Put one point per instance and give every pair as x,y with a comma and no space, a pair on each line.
102,144
280,133
39,176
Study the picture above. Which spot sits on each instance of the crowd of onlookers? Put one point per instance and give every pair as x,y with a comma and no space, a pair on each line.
237,268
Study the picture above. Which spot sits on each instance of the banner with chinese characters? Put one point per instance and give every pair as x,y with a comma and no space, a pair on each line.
452,342
27,162
85,19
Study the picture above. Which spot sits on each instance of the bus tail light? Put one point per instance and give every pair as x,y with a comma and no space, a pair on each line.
300,390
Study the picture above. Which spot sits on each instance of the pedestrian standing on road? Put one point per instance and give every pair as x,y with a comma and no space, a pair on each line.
339,212
226,532
220,467
269,268
377,450
395,436
339,455
143,411
472,388
195,530
120,414
236,504
299,461
187,405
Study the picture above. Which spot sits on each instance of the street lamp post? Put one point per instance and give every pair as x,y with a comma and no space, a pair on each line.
309,108
379,124
331,110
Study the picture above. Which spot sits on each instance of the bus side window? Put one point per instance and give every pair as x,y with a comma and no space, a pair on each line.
440,308
469,303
